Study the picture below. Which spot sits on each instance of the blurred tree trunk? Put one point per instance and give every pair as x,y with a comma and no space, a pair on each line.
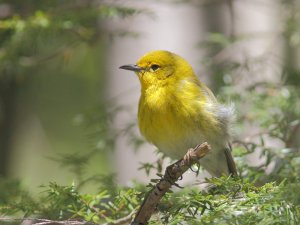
291,43
291,68
7,112
218,17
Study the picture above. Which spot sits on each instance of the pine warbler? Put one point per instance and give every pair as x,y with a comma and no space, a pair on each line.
177,111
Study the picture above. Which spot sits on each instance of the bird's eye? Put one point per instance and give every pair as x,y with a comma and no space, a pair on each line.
154,67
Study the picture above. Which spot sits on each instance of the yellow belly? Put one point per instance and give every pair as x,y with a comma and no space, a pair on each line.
174,128
174,122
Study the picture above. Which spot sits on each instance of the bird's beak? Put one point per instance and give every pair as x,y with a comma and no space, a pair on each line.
131,67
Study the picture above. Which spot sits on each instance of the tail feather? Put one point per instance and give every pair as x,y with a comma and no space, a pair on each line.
230,162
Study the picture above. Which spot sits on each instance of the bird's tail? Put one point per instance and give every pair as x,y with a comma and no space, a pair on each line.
230,161
216,164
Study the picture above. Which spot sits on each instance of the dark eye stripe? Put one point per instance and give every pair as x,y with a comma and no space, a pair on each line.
154,67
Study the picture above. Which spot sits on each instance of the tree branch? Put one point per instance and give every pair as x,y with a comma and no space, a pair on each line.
172,174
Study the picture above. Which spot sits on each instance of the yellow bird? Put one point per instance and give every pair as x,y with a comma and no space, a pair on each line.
177,111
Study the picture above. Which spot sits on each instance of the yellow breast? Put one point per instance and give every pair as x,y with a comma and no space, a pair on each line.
176,116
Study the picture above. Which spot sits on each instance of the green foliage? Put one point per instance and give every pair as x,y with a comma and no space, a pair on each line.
227,201
231,201
64,202
60,25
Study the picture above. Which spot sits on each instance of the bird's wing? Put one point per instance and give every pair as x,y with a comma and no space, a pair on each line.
207,92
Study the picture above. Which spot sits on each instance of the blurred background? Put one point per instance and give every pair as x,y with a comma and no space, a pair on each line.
67,113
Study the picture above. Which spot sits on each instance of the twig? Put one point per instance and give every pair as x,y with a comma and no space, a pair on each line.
123,220
36,221
58,222
172,174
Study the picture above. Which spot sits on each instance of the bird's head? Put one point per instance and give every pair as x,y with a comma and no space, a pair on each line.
159,68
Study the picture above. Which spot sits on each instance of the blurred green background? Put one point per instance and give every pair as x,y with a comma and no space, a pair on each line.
61,92
52,65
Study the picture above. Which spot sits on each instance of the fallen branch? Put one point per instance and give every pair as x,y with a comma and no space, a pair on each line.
172,174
